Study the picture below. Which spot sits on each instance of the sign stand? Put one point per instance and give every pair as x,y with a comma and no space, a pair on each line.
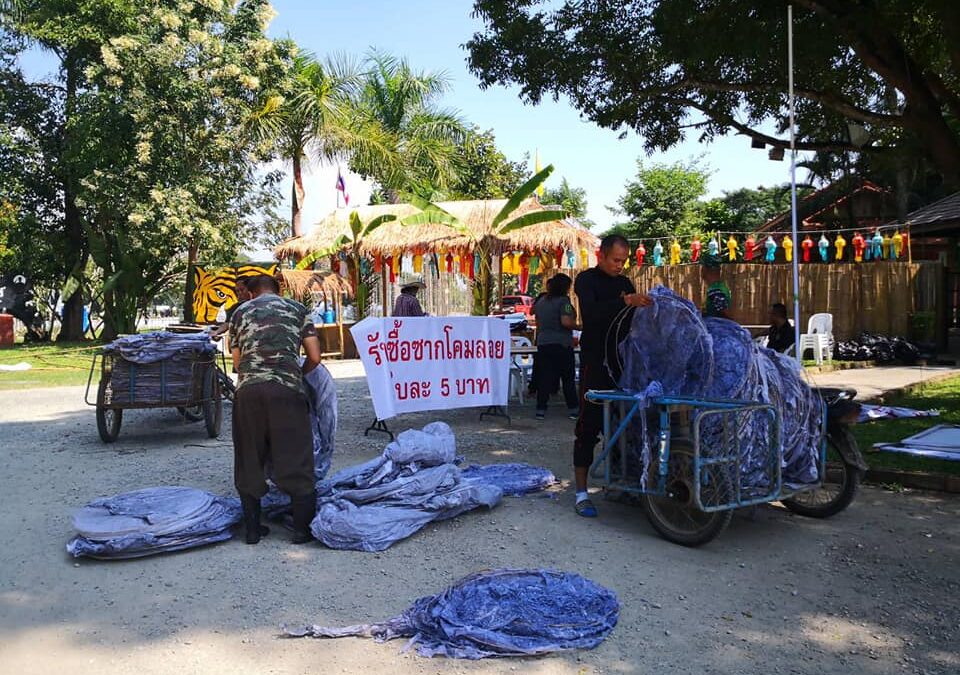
378,425
495,411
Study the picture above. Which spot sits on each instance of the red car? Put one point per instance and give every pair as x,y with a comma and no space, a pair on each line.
521,304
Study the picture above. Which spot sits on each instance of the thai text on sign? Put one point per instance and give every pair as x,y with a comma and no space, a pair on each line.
434,363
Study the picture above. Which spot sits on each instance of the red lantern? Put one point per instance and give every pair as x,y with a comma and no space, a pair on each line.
859,245
559,252
449,260
393,276
748,248
378,263
695,248
524,271
641,252
807,246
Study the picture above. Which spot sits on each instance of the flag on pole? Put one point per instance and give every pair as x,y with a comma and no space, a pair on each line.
537,169
342,187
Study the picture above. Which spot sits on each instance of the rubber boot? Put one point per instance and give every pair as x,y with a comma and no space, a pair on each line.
304,509
251,520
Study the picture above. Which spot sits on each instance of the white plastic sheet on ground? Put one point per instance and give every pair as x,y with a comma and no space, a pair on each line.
371,506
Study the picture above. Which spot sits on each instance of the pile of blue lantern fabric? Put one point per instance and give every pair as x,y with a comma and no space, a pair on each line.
145,348
152,520
513,479
414,482
498,613
672,349
138,374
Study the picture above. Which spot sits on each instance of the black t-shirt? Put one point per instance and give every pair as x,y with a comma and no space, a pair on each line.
601,301
780,339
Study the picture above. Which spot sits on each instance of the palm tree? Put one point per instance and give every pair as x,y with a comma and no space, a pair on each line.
484,244
316,116
401,101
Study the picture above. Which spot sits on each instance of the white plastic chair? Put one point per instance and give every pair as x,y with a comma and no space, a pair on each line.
521,368
819,337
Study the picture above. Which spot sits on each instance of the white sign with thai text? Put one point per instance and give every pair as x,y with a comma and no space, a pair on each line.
434,363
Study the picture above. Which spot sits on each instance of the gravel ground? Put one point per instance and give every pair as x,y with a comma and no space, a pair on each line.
872,590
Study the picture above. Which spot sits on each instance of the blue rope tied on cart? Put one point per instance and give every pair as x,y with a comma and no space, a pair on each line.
497,613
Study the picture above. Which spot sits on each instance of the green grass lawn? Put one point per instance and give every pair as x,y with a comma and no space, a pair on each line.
943,396
52,365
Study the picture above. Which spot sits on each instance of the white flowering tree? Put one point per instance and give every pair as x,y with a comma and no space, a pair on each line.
161,165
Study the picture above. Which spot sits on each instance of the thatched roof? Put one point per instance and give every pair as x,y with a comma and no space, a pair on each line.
476,215
302,282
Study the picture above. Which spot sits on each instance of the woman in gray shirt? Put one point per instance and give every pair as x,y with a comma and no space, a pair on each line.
556,320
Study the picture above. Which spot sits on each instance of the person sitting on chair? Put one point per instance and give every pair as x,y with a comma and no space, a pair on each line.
781,335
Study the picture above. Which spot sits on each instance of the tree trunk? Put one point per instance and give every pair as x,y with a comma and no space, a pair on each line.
71,324
188,288
296,197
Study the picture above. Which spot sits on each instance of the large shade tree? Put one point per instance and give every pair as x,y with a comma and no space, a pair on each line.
665,67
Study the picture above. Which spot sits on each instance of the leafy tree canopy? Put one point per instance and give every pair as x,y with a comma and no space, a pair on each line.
571,199
664,67
483,172
663,201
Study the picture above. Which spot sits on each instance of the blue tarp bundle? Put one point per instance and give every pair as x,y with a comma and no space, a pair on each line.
869,413
498,613
515,480
152,520
147,348
670,344
371,506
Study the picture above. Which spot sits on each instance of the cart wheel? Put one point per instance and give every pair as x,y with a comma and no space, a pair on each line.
839,487
192,414
108,419
675,515
212,403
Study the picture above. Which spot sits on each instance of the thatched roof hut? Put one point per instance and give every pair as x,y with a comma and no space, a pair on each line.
476,215
301,283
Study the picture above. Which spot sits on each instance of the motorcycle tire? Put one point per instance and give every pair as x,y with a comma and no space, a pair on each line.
821,503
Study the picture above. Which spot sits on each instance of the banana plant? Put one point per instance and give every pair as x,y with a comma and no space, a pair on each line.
358,232
486,243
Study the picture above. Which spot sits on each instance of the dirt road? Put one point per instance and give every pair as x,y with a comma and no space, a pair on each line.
873,590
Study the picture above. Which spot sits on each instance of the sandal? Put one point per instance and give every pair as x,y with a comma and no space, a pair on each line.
586,509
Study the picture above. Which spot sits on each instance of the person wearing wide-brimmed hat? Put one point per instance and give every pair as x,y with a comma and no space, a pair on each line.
406,303
719,298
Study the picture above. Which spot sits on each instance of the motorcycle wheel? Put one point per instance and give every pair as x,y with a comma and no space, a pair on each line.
839,487
675,515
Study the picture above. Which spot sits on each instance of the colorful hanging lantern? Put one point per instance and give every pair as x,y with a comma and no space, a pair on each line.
466,261
390,269
897,244
877,245
732,247
839,243
364,267
524,271
641,253
475,268
695,248
771,247
887,246
859,244
748,248
395,263
824,246
559,254
584,259
787,244
713,247
434,266
675,252
378,263
535,264
571,259
806,245
658,255
448,259
418,263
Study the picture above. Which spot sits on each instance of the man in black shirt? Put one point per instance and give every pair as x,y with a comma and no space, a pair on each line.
781,336
603,293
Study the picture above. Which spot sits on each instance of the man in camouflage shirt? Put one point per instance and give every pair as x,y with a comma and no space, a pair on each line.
271,420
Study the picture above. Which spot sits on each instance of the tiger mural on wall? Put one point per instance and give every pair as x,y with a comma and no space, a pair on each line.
213,290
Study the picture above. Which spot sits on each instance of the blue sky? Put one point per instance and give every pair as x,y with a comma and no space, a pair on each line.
430,34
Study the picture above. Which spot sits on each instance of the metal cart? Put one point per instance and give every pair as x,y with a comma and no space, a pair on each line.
690,474
185,380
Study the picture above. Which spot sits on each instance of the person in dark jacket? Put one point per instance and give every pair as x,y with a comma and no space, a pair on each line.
555,363
603,294
781,335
